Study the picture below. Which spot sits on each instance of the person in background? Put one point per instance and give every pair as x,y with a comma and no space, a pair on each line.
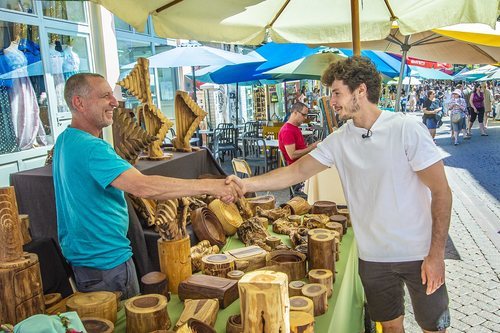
290,139
488,103
457,108
476,100
302,95
90,180
431,107
387,162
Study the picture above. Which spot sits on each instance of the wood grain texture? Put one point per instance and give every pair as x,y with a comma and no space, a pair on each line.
24,223
188,116
265,306
321,247
302,303
298,205
175,261
100,304
204,286
295,288
323,276
265,202
204,310
301,322
97,325
292,263
146,313
155,283
324,207
234,324
318,295
217,264
11,242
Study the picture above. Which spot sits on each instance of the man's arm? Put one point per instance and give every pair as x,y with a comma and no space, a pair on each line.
280,178
164,188
295,154
433,270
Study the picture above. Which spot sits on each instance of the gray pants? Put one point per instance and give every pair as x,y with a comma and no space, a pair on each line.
120,278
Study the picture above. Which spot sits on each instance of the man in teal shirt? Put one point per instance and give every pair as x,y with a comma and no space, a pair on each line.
90,180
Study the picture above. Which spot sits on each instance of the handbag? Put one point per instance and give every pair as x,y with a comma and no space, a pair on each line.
456,117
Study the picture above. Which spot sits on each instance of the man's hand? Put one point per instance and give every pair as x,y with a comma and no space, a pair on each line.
432,274
237,181
315,144
227,192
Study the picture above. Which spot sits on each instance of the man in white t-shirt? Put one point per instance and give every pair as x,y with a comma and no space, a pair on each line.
397,192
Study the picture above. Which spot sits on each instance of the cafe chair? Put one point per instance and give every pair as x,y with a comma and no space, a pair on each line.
225,141
225,125
256,153
270,132
241,168
253,128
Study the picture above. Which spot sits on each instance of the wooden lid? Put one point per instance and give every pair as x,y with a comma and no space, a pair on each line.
153,277
97,325
338,218
323,237
313,289
318,231
297,284
320,273
207,226
219,258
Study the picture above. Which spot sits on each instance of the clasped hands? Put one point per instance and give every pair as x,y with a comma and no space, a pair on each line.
230,189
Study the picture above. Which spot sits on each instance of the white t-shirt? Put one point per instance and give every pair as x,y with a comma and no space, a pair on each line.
390,207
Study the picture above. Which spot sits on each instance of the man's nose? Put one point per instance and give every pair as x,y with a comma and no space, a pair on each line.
114,101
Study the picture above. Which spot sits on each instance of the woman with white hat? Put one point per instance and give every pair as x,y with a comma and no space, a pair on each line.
458,114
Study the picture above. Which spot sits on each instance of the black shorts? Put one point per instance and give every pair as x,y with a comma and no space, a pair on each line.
479,115
383,284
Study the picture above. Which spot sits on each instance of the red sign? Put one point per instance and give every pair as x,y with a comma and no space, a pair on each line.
427,64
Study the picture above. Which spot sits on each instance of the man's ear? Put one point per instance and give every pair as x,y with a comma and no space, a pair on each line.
77,102
362,90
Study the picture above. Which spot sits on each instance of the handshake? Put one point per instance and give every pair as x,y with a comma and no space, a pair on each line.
230,189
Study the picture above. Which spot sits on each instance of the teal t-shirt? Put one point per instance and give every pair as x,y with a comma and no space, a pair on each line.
92,216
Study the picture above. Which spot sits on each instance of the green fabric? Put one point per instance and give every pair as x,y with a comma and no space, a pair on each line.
41,323
345,307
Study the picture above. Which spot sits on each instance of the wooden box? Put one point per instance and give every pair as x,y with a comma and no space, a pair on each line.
202,286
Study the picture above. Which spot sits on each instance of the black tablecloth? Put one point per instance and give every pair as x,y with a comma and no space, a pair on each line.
35,197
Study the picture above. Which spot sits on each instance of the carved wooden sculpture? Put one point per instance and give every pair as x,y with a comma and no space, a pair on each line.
137,82
200,250
145,208
188,116
11,243
273,214
168,221
205,310
129,138
251,232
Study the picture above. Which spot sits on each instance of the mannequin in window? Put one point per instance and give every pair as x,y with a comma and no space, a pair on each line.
56,69
71,63
25,112
8,140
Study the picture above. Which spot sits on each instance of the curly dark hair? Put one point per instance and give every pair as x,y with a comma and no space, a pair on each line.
353,71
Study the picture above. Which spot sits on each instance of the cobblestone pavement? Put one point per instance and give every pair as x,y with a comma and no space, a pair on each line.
472,280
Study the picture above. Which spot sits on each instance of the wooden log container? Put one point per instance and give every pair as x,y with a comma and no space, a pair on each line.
295,218
100,304
175,261
295,288
292,263
345,212
340,219
227,214
217,264
302,303
204,310
324,207
301,322
97,325
249,258
265,202
235,275
146,313
318,295
265,306
207,226
273,241
336,228
298,206
321,247
205,286
20,289
234,324
324,277
155,283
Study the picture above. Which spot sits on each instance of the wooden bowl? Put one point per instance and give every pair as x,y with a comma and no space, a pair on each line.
207,226
228,215
292,263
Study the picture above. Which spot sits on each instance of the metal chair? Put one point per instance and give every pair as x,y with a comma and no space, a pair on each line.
253,128
241,168
225,125
225,141
256,153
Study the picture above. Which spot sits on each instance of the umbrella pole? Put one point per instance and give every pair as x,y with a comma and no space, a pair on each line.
237,102
194,83
356,41
404,47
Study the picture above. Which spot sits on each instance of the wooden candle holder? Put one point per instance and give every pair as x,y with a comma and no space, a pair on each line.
301,322
324,207
298,206
217,264
340,219
11,242
273,241
175,261
295,288
324,277
292,263
146,313
249,258
264,202
97,325
264,302
234,324
302,303
100,304
337,228
321,247
155,283
345,212
235,275
318,295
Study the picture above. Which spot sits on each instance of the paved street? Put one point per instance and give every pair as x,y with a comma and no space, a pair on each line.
473,170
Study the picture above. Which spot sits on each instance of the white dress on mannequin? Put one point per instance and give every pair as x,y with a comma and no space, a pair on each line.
23,102
56,68
71,63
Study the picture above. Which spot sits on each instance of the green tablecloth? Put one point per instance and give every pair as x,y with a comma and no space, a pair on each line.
345,307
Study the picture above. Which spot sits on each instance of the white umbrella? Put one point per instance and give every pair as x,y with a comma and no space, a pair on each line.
495,75
198,56
412,81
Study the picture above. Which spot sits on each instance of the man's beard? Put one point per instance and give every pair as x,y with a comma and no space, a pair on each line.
351,110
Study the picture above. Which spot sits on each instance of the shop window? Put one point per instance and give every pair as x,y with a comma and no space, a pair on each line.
25,6
24,118
122,25
67,56
65,10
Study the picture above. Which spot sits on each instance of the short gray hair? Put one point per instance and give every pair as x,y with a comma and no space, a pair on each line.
78,85
298,106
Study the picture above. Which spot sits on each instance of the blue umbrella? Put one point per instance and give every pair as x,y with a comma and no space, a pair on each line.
385,64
